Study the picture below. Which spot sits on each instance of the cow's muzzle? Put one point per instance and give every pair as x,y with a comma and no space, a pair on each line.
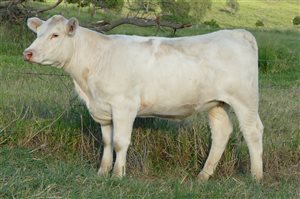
27,55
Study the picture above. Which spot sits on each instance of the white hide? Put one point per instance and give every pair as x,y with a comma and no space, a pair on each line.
123,77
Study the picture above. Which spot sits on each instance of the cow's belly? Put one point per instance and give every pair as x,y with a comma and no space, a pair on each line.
175,112
177,100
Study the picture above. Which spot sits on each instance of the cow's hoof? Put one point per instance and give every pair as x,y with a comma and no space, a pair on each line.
103,172
117,177
258,178
203,176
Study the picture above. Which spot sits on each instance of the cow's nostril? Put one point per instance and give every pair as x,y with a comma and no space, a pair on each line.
27,55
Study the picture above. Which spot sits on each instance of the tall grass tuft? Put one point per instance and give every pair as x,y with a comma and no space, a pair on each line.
275,54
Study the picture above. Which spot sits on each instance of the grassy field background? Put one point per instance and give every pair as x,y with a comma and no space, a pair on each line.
50,147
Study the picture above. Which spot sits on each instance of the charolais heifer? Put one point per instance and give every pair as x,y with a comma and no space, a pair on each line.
122,77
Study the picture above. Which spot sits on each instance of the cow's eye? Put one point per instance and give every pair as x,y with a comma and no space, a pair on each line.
54,36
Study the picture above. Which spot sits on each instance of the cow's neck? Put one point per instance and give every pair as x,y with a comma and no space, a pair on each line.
89,49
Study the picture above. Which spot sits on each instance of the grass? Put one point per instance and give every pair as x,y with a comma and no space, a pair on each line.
50,146
275,14
42,176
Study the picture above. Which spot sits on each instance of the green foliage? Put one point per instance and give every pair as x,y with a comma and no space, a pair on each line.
109,4
114,4
144,5
173,10
199,9
80,3
296,20
184,11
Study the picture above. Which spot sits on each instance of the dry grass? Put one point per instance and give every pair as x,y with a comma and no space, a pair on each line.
159,146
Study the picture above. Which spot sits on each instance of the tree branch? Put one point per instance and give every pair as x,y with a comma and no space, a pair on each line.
4,3
46,9
107,26
10,3
15,11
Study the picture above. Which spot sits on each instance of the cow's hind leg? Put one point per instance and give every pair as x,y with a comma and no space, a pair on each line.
254,138
252,129
221,129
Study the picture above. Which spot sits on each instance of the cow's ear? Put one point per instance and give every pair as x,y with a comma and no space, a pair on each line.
34,23
72,26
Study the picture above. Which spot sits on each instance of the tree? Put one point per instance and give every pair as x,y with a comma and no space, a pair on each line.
142,5
184,11
17,10
173,10
174,14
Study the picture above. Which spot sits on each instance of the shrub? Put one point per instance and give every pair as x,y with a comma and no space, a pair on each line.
259,23
296,20
212,23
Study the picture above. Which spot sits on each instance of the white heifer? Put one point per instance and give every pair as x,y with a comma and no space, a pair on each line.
123,77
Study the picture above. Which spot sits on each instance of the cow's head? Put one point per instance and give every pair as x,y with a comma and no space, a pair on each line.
53,45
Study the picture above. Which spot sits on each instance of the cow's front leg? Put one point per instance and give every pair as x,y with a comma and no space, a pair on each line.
123,119
107,157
